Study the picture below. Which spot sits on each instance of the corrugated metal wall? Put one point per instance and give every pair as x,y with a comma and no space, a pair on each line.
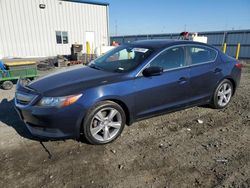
217,39
28,31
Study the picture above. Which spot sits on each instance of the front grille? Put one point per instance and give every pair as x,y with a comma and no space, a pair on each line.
24,98
22,102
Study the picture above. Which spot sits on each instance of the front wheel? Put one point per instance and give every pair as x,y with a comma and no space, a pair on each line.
104,123
222,95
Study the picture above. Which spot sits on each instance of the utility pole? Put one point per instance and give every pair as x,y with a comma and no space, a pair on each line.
116,28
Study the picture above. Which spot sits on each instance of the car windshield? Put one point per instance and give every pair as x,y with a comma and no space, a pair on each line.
121,59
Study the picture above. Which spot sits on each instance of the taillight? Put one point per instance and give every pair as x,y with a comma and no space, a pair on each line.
238,66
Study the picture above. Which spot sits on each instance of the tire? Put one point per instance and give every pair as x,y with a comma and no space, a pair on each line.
26,81
103,123
222,95
7,85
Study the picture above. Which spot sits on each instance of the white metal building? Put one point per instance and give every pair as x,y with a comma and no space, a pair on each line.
41,28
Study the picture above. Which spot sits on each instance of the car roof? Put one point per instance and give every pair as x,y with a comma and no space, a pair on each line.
164,43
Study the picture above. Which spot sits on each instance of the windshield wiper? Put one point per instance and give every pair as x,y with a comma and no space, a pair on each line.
94,67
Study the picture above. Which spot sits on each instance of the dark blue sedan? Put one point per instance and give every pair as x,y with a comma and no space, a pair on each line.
132,82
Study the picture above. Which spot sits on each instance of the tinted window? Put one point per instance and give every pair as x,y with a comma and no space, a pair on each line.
201,54
65,37
62,37
58,37
170,59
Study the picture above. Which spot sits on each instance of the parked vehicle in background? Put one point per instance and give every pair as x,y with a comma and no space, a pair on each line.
193,37
10,72
131,82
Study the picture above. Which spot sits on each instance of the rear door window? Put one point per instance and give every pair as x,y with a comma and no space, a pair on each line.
199,54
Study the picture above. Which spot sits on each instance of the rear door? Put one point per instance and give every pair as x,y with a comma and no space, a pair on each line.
203,72
169,90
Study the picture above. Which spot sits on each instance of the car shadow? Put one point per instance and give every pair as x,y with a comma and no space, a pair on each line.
9,117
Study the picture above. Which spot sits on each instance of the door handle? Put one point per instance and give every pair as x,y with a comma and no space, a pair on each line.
217,70
182,80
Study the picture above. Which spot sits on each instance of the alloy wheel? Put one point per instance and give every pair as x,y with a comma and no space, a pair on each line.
105,124
224,94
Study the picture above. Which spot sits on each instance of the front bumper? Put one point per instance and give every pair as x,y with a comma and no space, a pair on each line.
50,123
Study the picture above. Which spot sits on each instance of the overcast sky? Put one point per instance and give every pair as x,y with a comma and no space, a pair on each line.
130,17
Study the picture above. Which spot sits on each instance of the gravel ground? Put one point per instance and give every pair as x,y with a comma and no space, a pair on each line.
173,150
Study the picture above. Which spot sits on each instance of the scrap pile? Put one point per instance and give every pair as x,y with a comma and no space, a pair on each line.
76,57
46,64
50,63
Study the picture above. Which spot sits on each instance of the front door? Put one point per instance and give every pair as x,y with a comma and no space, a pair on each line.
170,90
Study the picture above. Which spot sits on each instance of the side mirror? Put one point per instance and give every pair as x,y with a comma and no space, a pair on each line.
152,71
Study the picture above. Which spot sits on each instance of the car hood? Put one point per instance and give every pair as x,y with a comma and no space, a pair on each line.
72,81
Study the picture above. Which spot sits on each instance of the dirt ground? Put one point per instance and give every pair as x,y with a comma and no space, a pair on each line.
173,150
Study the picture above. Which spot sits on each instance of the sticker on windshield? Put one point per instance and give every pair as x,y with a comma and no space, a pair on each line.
142,50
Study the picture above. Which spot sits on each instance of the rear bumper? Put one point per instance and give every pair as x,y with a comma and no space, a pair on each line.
236,75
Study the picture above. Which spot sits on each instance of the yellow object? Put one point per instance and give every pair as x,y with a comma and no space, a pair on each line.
92,48
225,48
88,47
19,63
129,56
238,51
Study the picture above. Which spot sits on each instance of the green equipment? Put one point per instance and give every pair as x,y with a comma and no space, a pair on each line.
10,72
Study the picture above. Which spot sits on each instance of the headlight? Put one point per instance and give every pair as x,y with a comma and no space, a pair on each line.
58,101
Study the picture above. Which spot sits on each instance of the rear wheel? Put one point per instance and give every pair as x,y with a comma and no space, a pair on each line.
7,85
104,123
222,95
